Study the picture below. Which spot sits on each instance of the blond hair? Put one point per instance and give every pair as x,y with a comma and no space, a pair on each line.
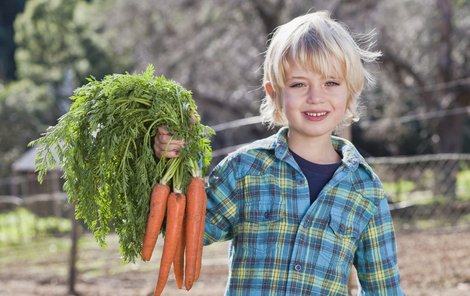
323,45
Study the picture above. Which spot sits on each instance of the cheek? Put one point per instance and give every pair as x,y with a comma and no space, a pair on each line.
342,103
288,105
289,100
345,106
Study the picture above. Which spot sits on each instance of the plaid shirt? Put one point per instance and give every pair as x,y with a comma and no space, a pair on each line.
282,244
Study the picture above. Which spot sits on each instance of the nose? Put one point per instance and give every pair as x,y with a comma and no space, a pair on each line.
315,95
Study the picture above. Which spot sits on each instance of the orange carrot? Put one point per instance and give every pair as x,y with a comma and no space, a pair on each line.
201,239
174,226
195,195
178,263
155,217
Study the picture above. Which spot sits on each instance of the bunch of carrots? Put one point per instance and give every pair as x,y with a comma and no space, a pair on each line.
104,146
184,228
178,200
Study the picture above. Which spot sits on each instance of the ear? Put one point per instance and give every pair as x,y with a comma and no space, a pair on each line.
269,89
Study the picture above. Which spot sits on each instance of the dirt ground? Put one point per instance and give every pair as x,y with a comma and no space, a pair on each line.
431,263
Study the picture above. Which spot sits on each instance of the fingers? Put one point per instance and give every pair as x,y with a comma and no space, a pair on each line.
167,150
164,145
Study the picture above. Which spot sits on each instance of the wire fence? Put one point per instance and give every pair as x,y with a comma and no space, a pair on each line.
424,192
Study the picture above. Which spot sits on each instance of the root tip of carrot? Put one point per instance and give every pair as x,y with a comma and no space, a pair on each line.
189,286
145,258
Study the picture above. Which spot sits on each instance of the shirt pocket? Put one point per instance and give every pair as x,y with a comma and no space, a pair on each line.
261,200
338,244
343,228
343,232
259,229
350,222
261,212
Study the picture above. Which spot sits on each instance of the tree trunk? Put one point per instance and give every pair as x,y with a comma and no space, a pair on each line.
448,131
269,13
448,138
75,234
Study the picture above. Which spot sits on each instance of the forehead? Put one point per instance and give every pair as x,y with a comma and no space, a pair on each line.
330,67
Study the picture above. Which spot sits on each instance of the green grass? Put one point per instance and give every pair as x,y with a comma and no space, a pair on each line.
463,185
404,190
21,225
399,190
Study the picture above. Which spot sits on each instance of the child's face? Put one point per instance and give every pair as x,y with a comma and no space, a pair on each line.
313,105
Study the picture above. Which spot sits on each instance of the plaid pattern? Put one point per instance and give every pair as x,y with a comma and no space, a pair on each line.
282,244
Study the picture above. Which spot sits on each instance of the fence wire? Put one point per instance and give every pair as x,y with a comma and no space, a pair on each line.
424,192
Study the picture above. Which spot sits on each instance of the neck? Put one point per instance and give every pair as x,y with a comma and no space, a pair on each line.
317,150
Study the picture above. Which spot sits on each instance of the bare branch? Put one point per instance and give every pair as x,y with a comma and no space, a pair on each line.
400,65
444,7
269,13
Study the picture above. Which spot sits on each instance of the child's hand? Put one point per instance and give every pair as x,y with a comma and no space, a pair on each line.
164,145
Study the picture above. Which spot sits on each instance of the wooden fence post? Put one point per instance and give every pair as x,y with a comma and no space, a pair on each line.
75,234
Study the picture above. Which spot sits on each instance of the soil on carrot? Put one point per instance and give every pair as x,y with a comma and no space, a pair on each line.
431,263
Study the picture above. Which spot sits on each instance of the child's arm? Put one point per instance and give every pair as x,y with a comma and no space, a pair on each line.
376,259
222,203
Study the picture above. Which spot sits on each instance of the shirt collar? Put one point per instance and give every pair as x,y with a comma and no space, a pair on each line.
281,149
351,158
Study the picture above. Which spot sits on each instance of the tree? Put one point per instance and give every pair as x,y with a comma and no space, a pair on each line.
426,66
8,11
25,109
59,44
433,61
57,37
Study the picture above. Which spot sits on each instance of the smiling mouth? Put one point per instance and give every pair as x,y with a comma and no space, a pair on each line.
316,114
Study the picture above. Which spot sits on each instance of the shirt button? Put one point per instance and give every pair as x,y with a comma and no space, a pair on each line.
301,181
298,267
267,214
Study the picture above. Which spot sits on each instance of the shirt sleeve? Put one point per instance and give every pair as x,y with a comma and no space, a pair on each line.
375,259
221,204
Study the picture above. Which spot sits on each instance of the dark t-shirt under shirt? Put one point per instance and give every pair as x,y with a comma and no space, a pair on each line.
317,175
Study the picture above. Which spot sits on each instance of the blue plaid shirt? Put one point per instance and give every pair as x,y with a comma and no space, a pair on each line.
284,245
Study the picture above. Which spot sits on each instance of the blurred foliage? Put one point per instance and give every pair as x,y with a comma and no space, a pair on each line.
25,108
56,35
21,225
463,185
59,44
424,77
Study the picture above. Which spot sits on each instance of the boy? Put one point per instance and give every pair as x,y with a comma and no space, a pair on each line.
302,206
